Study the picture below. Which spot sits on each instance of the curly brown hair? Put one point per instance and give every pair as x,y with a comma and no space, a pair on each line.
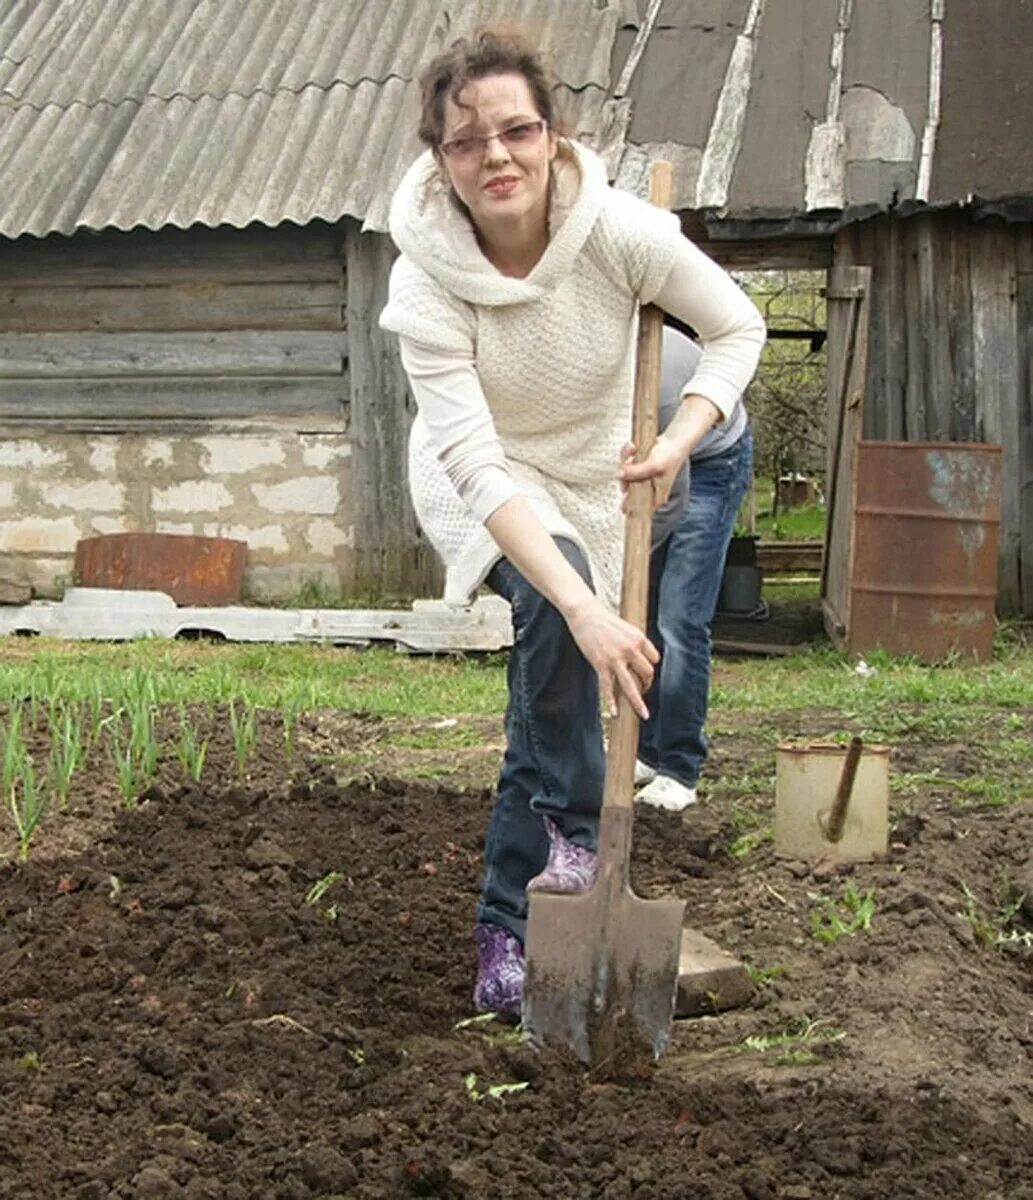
467,59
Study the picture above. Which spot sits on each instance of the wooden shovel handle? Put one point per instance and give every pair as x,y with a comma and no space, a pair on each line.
623,743
834,821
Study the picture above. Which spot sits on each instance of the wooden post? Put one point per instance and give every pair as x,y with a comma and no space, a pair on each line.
392,559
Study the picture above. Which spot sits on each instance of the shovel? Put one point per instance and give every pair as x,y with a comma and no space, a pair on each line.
602,966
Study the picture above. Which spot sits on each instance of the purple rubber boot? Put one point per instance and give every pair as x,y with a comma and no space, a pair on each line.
500,971
570,868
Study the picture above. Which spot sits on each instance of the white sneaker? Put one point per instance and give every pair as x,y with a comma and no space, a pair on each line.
667,793
644,773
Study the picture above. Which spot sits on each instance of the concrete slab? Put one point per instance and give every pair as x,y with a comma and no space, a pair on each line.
111,614
709,979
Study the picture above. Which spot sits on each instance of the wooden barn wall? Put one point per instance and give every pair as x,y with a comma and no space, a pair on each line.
949,353
179,381
176,324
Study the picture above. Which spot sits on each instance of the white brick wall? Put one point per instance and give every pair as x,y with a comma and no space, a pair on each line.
325,537
286,495
98,496
102,457
323,452
240,455
35,535
319,494
157,453
199,495
29,456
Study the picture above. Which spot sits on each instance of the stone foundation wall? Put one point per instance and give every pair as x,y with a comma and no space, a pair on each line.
286,493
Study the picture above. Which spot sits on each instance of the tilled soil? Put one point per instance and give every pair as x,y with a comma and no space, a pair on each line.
183,1015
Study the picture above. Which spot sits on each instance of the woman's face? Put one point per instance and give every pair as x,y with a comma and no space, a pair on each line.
499,179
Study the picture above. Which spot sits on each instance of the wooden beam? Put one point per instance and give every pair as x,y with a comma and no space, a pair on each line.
772,254
252,353
257,254
392,557
778,558
165,307
188,398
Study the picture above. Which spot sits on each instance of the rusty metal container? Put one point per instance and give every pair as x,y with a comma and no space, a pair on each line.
192,570
923,553
806,778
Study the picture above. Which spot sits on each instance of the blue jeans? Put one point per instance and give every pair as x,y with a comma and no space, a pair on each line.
554,764
685,575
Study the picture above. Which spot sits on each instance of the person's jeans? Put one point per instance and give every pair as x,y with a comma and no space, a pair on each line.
685,575
554,763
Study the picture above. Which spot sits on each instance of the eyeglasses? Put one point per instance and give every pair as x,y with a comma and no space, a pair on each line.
516,137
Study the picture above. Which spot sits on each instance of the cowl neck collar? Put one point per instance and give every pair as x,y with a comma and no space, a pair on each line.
430,229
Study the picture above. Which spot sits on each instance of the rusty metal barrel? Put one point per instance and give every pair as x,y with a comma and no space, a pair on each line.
924,553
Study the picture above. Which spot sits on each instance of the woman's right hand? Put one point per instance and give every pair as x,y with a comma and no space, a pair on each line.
623,657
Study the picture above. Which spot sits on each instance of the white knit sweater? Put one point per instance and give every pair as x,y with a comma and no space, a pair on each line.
524,386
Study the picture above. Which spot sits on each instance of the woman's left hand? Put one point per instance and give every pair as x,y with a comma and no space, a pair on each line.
659,467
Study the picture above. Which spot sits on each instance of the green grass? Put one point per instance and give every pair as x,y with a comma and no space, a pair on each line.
777,592
986,707
450,738
376,680
803,524
901,698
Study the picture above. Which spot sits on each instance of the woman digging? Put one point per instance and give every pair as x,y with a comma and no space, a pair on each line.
515,299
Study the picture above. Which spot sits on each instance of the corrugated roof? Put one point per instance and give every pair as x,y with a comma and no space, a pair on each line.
119,113
784,109
123,113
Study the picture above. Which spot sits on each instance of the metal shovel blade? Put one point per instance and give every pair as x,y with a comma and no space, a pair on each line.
602,973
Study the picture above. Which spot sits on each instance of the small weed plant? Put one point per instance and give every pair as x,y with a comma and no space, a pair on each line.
795,1045
851,914
762,975
753,830
997,930
320,888
492,1092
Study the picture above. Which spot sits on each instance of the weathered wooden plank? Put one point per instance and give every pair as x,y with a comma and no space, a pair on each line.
159,399
1024,249
996,373
212,305
242,255
894,371
1024,450
114,355
392,555
870,244
780,558
932,247
848,324
916,420
958,295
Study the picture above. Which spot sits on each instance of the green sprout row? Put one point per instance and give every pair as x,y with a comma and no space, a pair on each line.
122,723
